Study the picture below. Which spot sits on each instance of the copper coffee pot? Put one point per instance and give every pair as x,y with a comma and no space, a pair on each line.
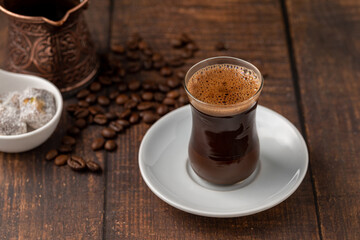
50,39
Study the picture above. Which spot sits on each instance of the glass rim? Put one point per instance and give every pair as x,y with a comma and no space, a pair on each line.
222,60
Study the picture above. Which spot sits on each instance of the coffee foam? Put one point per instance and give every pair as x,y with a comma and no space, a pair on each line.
223,89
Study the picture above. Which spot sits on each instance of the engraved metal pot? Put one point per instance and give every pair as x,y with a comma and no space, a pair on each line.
58,50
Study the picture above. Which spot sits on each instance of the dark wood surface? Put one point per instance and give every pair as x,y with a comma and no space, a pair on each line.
309,52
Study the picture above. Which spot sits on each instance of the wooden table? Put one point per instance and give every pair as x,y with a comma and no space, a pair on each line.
310,53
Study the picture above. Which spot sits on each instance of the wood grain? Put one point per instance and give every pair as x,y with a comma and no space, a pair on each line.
254,31
41,201
327,52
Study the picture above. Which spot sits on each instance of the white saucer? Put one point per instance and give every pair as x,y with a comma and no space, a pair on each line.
163,161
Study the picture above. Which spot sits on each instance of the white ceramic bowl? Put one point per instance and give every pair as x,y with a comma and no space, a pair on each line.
23,142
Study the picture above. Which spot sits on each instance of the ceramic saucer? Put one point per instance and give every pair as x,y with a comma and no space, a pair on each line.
164,166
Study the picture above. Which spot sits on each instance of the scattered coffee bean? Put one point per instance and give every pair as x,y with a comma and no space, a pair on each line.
65,148
149,85
180,75
113,95
97,144
82,94
68,140
132,44
103,100
176,43
159,97
147,96
176,62
73,131
173,94
90,119
61,160
110,115
156,57
124,114
71,108
105,80
120,49
110,145
83,104
117,127
148,51
108,133
142,45
134,67
136,97
81,113
129,104
169,101
173,82
91,98
76,163
134,118
122,87
132,55
183,99
50,155
163,87
121,99
149,117
147,63
93,166
134,85
100,119
192,47
95,87
145,106
185,38
123,123
80,123
186,54
166,71
162,109
96,109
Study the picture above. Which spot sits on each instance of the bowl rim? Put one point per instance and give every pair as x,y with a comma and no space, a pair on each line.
58,101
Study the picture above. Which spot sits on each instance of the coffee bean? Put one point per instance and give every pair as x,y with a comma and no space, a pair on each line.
159,97
108,133
134,85
132,44
110,145
149,117
136,97
68,140
97,144
65,148
166,71
169,101
95,87
110,116
163,87
133,55
91,98
173,82
100,119
76,163
145,106
122,87
147,96
82,94
220,46
73,131
90,119
129,104
147,64
103,100
83,103
159,64
80,123
180,75
162,109
142,45
176,42
149,85
134,118
117,127
121,72
71,108
123,123
148,51
156,57
183,99
93,166
124,114
81,113
176,62
121,99
105,80
50,155
61,160
173,94
120,49
186,54
192,47
113,95
96,109
134,67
